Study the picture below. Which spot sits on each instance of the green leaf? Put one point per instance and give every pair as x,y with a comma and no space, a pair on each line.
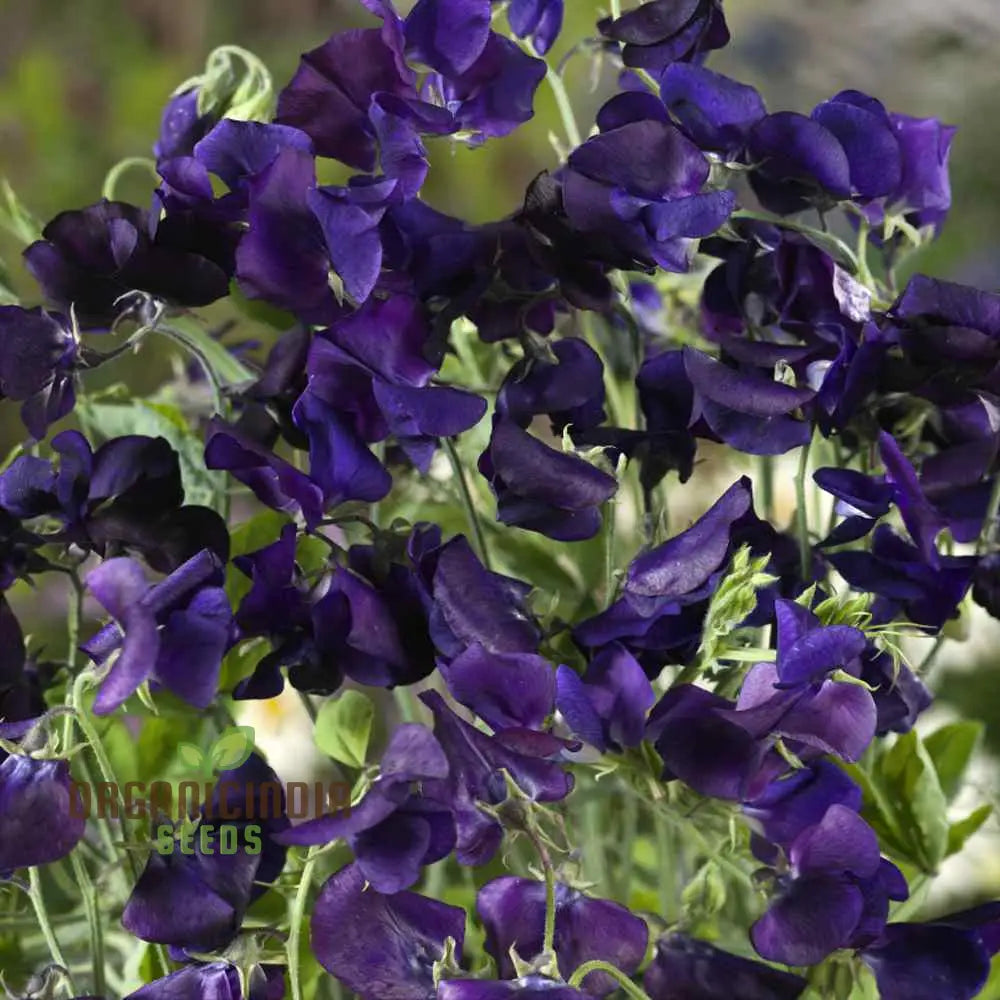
343,728
15,218
232,748
913,792
960,831
951,748
191,756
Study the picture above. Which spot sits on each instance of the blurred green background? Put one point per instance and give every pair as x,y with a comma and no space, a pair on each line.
82,84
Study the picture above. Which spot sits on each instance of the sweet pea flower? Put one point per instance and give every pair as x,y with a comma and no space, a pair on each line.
513,912
382,947
394,830
174,633
660,32
195,902
41,814
684,968
39,354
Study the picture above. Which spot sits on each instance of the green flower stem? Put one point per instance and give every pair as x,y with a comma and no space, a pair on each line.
89,893
122,167
467,502
73,618
549,933
91,735
558,88
307,704
630,825
988,533
802,512
42,915
928,661
664,862
766,466
610,512
296,916
598,965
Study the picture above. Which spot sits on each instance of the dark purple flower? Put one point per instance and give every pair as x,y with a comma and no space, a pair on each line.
944,958
824,715
861,499
382,947
513,914
799,799
639,183
986,584
538,488
797,159
38,356
89,258
701,743
237,151
196,901
905,584
305,624
578,260
181,126
495,94
369,378
350,217
608,705
19,551
568,387
506,690
174,633
468,603
329,96
666,590
924,191
837,889
125,495
715,112
666,398
21,681
863,128
475,762
685,562
686,969
214,981
749,411
283,256
394,830
41,813
900,695
660,32
448,35
539,20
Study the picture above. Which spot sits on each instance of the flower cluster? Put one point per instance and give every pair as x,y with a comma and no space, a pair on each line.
738,685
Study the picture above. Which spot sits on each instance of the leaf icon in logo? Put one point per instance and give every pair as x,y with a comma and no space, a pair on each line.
232,748
191,756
